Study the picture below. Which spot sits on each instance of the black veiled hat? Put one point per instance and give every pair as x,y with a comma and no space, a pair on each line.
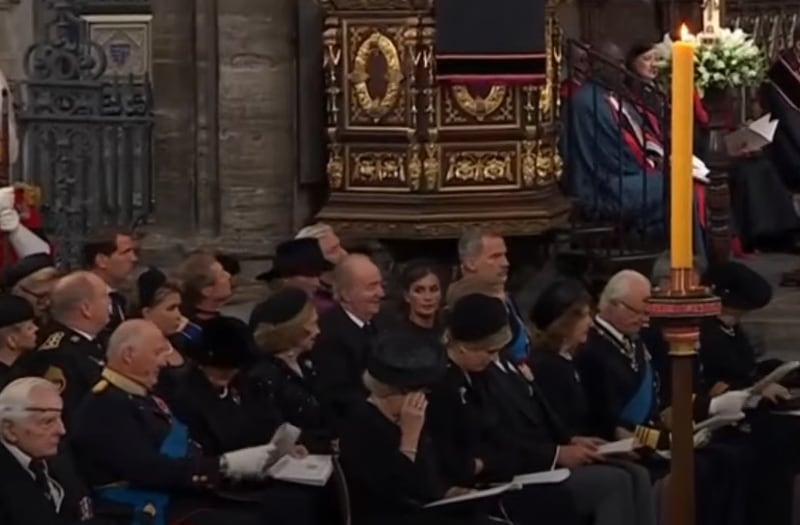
148,284
25,267
406,361
480,320
225,342
555,300
280,307
14,309
738,286
297,257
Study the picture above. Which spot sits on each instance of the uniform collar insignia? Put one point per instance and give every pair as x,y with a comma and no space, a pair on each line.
124,383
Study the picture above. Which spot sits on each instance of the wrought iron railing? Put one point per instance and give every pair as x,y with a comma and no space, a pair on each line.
630,98
85,138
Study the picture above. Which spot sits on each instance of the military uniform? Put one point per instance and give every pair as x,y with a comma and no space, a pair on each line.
133,452
67,358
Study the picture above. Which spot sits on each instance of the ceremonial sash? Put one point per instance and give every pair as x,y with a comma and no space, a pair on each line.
150,507
639,407
519,347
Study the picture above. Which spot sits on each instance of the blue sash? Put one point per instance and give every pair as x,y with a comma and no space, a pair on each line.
144,502
518,348
638,409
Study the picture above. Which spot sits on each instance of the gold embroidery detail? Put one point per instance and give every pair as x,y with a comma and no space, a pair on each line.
56,376
52,342
376,106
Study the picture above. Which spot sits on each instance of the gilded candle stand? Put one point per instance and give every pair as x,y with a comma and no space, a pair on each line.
678,311
410,158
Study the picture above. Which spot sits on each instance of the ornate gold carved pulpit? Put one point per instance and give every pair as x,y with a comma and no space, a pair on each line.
409,158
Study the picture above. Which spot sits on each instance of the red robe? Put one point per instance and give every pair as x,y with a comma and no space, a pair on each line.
30,217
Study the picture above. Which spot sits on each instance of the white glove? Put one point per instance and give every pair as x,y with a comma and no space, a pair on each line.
701,438
6,198
9,220
247,463
729,403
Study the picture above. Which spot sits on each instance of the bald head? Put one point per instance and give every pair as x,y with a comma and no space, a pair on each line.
137,349
80,301
359,286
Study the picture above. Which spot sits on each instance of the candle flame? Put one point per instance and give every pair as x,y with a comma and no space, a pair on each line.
685,34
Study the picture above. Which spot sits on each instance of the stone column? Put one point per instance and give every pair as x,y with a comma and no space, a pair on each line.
257,89
16,35
174,87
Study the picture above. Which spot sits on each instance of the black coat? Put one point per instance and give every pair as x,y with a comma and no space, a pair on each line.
386,487
296,398
340,358
66,358
221,421
530,426
560,382
22,502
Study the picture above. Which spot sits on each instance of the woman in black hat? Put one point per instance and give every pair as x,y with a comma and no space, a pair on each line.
32,278
284,329
726,353
390,463
561,318
17,331
465,435
422,299
210,397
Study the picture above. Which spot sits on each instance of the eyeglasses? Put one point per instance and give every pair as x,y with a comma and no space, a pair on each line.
631,309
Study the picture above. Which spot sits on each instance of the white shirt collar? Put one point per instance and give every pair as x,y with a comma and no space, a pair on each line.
359,323
613,332
21,457
81,333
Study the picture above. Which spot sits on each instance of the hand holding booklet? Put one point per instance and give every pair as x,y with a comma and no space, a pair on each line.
535,478
623,446
752,137
284,438
774,377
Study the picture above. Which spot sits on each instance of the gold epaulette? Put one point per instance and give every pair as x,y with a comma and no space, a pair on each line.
647,436
100,387
718,389
52,342
56,376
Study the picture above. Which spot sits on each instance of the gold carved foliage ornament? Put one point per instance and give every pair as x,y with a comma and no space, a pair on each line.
477,106
376,106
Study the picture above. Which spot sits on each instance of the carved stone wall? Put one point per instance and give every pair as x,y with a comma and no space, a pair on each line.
16,34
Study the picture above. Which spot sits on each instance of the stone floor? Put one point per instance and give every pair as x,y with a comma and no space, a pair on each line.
776,328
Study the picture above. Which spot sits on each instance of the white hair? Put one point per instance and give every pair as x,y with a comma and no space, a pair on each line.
126,335
15,398
314,231
619,286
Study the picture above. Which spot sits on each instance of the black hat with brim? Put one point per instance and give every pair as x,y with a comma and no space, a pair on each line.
25,267
225,342
297,258
738,287
480,321
14,310
556,300
407,362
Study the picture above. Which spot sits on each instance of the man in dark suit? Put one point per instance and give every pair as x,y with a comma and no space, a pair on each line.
346,331
69,354
111,255
37,484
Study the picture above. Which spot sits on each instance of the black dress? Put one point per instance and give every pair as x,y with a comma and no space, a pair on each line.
295,397
561,384
388,488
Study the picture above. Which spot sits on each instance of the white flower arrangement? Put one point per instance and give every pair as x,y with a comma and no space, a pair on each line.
724,59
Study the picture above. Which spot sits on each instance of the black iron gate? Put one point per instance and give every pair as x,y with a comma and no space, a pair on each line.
85,137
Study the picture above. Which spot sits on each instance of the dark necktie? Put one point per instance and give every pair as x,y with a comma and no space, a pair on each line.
117,306
369,329
37,466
